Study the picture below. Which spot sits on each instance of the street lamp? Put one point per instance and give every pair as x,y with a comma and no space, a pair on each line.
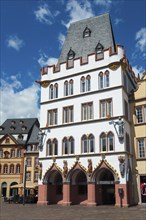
24,181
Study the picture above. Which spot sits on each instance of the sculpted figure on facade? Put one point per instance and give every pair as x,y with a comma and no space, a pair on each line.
65,168
90,169
122,165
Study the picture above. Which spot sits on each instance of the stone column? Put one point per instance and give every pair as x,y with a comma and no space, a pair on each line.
66,194
91,194
42,195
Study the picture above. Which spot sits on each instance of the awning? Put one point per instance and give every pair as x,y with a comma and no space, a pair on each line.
28,185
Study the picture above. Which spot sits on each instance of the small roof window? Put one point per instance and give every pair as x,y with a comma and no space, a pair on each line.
21,122
12,122
71,54
20,137
12,128
86,32
99,48
1,128
23,128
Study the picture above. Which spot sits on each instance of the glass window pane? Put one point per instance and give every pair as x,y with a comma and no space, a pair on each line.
139,115
141,148
103,108
103,143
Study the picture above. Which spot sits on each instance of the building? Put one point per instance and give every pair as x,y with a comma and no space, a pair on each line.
85,147
18,142
138,109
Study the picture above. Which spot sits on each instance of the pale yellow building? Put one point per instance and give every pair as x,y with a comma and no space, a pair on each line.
138,110
19,143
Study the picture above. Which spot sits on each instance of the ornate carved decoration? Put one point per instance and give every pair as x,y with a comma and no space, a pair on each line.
114,66
122,165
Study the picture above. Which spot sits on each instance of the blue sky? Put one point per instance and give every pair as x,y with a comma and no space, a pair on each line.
32,35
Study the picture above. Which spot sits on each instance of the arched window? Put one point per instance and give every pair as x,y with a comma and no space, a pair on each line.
71,87
91,143
49,148
51,91
103,142
84,144
55,147
88,83
18,168
71,145
66,88
106,78
82,84
12,168
65,146
100,79
5,168
6,154
110,141
56,90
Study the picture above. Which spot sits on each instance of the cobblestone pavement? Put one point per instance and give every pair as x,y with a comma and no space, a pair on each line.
76,212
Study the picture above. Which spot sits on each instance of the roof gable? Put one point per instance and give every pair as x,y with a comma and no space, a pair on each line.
8,140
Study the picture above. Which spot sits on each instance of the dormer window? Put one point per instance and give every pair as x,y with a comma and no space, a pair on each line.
12,122
24,128
20,137
71,54
12,128
1,128
99,48
86,32
21,122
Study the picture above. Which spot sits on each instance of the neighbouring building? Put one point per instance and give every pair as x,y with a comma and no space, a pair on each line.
18,142
85,148
138,110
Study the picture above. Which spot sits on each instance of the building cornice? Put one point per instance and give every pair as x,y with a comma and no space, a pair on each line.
103,154
86,122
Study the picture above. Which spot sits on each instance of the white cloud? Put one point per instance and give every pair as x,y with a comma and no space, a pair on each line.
44,15
141,41
78,11
104,3
139,51
18,104
117,21
44,60
14,42
138,70
61,39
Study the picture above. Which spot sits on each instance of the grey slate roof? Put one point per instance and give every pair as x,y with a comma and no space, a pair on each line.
24,126
101,31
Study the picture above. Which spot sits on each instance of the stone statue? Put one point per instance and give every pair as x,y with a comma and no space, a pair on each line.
89,166
122,165
65,168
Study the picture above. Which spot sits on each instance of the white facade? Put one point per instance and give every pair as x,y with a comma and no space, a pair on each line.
117,92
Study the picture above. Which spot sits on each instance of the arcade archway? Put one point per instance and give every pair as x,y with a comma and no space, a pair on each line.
55,187
4,189
78,187
105,187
